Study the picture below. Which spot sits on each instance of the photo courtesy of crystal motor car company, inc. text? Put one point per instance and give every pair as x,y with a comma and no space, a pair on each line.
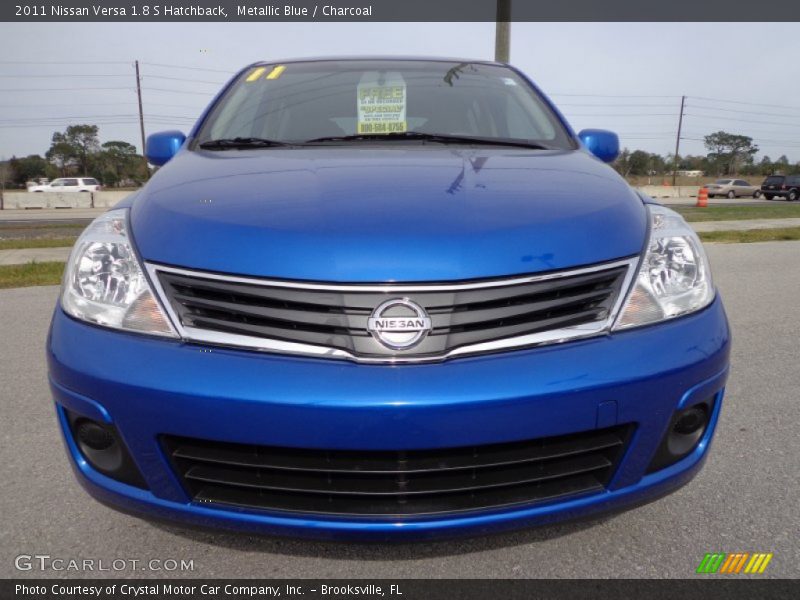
370,299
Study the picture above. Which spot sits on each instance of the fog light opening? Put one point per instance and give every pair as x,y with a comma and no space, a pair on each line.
690,420
685,431
101,447
93,435
98,444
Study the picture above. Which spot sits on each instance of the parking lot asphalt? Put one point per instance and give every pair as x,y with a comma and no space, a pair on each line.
745,499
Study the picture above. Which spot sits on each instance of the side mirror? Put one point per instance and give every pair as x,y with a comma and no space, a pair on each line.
602,143
162,146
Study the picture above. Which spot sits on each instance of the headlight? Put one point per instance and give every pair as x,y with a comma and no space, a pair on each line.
674,278
104,283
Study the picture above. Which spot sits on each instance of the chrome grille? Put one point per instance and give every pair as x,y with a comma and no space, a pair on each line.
331,320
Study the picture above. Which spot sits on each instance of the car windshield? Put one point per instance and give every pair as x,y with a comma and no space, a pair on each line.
292,103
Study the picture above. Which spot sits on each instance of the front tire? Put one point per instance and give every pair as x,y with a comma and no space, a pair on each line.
756,195
768,196
792,196
731,195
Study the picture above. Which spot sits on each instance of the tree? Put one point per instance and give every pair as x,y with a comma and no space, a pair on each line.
74,147
60,155
5,173
623,164
27,168
639,162
727,151
118,160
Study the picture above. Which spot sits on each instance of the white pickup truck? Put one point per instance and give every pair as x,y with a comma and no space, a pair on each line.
68,184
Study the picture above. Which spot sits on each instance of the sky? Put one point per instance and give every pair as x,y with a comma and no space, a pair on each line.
627,77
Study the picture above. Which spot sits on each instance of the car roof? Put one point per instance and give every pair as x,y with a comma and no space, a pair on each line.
385,58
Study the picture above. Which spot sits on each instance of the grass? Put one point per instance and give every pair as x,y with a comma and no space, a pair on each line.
22,243
738,213
782,234
44,273
17,226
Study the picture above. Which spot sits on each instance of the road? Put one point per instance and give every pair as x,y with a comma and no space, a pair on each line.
746,498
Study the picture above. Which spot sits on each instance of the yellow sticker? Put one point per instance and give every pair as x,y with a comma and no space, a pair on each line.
382,105
276,72
256,74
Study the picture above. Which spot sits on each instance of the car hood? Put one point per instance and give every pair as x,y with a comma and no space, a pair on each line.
409,213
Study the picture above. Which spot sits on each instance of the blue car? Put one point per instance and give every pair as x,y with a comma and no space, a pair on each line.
384,299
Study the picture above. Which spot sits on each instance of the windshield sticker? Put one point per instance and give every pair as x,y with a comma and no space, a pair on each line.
382,104
255,74
276,72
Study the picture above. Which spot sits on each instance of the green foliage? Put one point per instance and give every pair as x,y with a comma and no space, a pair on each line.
77,151
639,162
728,151
729,154
27,168
118,162
74,147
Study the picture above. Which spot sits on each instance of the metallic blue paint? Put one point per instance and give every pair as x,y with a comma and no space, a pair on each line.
426,213
162,146
151,386
603,144
404,212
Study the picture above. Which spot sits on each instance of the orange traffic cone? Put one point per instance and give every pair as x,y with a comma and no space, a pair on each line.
702,197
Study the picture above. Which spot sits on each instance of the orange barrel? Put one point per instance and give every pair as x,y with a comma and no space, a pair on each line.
702,197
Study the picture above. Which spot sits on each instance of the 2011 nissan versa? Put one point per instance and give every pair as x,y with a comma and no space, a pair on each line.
384,299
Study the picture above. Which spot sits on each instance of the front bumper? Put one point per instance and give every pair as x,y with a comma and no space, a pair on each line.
151,387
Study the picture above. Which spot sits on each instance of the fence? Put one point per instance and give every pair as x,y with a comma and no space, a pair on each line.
22,200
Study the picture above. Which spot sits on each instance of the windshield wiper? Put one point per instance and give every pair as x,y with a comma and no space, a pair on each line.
439,138
240,142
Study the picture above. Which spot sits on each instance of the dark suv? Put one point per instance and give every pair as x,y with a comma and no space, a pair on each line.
784,186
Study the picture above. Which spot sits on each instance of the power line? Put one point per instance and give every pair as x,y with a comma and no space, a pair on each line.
609,96
50,62
82,104
743,120
173,91
69,89
149,64
145,77
743,102
56,75
614,105
623,115
747,112
114,116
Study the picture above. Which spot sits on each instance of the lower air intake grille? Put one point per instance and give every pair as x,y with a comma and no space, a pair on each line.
397,484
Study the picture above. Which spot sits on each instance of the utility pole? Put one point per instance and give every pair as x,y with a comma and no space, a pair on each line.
3,174
502,36
141,115
677,143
